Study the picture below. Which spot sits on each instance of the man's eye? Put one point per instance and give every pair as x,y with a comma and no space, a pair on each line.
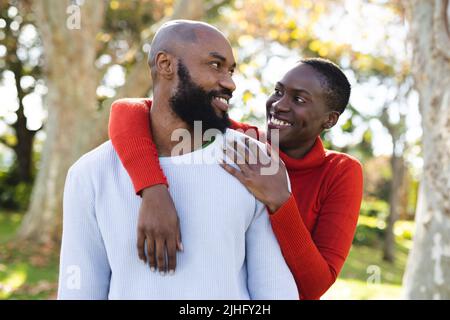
231,72
277,92
215,65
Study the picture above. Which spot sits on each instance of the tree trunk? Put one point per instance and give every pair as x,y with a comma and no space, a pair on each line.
74,125
428,270
71,101
24,147
398,169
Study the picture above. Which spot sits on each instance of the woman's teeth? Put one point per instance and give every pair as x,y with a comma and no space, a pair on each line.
279,122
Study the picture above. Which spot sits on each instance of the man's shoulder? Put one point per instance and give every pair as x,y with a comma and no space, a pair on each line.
101,157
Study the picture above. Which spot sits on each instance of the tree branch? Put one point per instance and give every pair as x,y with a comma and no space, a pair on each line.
183,9
216,4
441,28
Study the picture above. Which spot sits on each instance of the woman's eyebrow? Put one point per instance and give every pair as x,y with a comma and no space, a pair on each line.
299,90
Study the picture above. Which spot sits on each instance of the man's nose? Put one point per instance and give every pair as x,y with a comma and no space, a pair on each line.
228,83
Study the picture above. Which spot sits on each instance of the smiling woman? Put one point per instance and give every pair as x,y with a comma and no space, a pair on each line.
304,103
315,223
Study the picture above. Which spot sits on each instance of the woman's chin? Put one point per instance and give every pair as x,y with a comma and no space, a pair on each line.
277,134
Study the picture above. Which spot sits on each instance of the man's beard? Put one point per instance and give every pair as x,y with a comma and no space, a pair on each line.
191,103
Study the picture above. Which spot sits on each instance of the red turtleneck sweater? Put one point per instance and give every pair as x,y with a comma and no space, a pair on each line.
316,225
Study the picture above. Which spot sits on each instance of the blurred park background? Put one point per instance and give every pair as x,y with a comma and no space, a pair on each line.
62,63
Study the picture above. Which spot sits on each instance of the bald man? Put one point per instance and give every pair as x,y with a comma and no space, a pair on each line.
230,249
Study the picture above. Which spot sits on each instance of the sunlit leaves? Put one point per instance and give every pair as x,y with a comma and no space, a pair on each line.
114,5
348,126
247,96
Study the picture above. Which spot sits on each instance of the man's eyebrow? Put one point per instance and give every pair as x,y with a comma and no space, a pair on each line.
221,58
218,56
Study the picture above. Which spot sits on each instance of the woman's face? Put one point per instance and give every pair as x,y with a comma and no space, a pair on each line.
297,108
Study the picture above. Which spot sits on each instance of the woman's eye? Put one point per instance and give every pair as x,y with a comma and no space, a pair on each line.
299,99
215,65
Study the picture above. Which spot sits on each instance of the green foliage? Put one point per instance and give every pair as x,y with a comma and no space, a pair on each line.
371,230
404,230
9,222
413,195
374,208
14,196
22,193
368,236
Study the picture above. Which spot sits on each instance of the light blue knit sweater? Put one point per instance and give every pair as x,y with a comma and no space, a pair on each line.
230,251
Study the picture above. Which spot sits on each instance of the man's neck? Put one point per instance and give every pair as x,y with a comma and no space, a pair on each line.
163,125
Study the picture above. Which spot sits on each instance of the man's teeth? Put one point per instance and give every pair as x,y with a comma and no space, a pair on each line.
279,122
222,99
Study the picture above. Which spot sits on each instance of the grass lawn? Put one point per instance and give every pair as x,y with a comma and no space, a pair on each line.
366,276
25,273
29,274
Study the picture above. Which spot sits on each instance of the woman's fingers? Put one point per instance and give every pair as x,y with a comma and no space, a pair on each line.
171,247
161,255
141,245
151,253
248,151
238,159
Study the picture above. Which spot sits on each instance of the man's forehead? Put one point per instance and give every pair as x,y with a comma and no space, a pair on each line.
214,46
211,38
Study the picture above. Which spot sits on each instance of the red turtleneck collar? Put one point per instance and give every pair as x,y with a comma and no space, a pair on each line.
314,158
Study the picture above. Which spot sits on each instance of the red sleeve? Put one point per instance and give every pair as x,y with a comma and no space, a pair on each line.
316,259
130,134
247,129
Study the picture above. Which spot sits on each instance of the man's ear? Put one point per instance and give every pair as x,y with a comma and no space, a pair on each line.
332,119
165,65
